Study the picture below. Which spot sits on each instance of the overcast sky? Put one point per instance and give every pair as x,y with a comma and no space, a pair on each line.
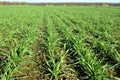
115,1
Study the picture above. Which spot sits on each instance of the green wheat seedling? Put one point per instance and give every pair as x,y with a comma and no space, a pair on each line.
88,60
85,58
18,51
56,60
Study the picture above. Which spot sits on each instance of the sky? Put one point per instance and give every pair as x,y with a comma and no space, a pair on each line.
111,1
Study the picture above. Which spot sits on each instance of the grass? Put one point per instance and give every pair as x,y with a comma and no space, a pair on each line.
57,43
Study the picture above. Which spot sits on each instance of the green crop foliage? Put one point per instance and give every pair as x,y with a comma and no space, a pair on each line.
59,43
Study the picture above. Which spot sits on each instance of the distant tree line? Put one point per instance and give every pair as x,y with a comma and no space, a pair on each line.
13,3
59,4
